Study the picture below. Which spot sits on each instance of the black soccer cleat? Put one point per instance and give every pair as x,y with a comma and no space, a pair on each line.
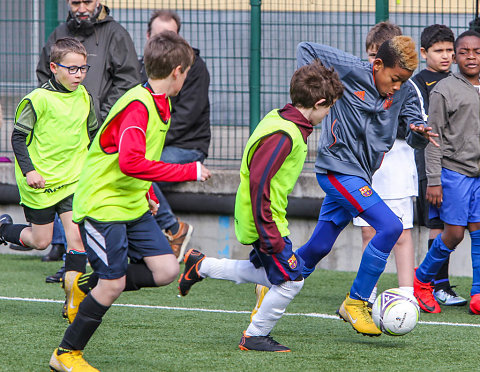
261,343
5,219
190,275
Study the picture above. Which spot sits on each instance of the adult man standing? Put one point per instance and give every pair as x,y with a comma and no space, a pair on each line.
111,55
189,135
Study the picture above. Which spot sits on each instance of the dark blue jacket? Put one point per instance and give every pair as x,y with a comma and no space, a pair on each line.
362,125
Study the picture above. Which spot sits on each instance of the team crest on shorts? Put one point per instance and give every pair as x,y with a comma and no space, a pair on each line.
292,262
366,191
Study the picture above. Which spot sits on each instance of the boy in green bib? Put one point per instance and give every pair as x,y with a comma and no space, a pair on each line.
272,161
54,126
113,207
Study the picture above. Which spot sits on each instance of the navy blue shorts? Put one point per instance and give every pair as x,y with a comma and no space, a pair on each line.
280,267
347,197
109,245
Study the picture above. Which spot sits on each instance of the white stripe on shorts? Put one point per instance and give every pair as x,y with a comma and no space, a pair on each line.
99,250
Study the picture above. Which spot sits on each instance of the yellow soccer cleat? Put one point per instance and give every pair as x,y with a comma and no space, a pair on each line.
70,362
356,313
260,292
73,294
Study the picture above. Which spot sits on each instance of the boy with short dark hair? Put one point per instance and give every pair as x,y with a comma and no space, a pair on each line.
453,169
53,128
437,49
110,203
272,161
361,127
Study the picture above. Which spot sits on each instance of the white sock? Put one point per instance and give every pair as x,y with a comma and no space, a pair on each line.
238,271
407,289
273,306
373,295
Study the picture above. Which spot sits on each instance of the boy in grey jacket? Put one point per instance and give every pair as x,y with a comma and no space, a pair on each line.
453,169
361,127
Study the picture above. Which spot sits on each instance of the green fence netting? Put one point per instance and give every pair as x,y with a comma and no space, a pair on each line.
222,30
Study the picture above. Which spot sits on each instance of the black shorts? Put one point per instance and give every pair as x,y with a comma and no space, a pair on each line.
423,206
47,215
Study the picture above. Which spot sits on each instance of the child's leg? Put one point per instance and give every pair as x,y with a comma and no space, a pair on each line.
368,233
442,247
72,233
319,245
405,259
238,271
475,238
37,236
388,228
90,314
273,307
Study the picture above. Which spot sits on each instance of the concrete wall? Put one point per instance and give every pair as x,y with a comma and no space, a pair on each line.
214,232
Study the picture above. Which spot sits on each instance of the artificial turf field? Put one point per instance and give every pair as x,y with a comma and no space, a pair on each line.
159,331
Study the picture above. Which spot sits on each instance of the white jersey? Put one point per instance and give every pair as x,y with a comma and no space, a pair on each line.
397,176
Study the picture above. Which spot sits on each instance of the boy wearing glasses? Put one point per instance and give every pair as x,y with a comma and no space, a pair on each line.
54,126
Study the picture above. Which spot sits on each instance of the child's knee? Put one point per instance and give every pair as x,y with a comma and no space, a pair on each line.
41,244
291,288
167,275
394,229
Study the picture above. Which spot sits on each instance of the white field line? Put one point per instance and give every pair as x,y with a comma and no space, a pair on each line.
309,315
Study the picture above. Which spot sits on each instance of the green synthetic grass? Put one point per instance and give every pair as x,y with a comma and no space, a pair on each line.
172,339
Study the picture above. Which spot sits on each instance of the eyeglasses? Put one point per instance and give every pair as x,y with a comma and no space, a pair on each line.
72,70
78,2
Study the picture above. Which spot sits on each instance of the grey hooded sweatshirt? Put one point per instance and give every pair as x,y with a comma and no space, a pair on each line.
362,125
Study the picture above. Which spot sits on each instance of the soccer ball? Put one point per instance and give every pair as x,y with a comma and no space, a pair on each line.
395,312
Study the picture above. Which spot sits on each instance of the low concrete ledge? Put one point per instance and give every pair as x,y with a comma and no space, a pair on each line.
209,208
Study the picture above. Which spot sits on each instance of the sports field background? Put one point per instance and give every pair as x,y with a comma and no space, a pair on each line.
154,330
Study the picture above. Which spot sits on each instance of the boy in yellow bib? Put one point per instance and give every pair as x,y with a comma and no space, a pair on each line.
54,126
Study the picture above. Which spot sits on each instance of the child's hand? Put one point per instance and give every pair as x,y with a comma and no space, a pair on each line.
35,180
205,173
435,195
153,206
426,132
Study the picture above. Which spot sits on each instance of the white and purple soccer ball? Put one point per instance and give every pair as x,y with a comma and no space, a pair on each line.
395,312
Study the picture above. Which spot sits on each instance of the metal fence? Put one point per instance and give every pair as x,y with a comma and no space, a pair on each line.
240,41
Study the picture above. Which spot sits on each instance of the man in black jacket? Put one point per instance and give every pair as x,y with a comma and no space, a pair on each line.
189,135
114,69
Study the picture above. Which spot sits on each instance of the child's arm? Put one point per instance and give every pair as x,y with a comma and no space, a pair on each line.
437,119
418,134
92,122
22,128
342,62
266,161
130,142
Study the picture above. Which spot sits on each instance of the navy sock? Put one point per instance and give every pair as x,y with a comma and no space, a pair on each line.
434,259
371,267
475,237
89,317
441,279
75,262
11,233
138,276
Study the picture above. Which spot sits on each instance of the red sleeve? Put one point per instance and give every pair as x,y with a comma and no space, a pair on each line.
126,134
151,195
266,161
